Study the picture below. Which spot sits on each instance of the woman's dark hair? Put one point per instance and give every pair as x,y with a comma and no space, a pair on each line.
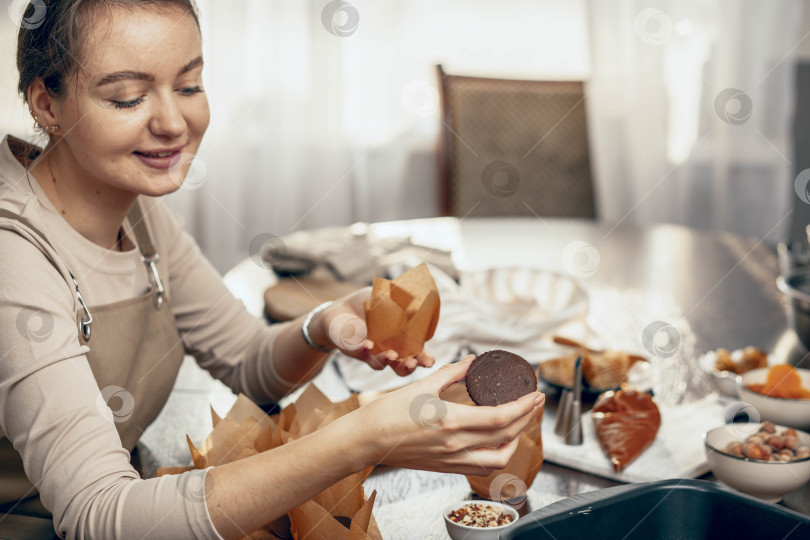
52,34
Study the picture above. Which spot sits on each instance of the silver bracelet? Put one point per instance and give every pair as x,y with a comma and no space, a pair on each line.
305,328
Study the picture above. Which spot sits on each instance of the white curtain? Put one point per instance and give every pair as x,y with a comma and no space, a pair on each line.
690,107
326,113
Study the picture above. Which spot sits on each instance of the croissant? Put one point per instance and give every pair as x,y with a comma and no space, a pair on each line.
602,369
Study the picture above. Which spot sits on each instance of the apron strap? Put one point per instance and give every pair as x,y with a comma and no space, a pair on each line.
136,220
138,224
148,253
87,319
16,217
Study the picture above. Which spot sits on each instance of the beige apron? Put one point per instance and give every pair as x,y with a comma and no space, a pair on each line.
134,345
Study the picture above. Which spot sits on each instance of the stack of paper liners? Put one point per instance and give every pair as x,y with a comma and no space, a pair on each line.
341,511
402,314
524,465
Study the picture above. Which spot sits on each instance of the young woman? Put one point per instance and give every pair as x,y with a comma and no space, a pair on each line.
102,293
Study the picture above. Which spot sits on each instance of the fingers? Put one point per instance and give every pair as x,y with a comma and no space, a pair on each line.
405,367
401,366
425,359
481,417
481,461
492,436
494,458
375,361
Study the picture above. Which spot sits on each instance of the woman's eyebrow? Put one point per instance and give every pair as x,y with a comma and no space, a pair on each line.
124,76
191,65
141,76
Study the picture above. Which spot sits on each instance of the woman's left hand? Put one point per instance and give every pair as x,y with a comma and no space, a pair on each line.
344,324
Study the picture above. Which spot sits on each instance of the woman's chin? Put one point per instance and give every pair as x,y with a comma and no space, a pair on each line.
158,190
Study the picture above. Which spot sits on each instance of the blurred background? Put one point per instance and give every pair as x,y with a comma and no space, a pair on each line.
328,112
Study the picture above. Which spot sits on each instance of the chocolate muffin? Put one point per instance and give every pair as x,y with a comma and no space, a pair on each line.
498,377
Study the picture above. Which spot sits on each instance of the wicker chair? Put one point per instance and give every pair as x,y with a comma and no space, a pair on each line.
512,147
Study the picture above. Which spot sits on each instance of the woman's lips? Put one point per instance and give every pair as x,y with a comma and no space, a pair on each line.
160,160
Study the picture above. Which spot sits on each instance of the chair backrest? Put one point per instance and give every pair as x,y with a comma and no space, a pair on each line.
513,147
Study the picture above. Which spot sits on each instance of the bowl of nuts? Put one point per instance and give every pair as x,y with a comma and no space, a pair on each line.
764,460
478,520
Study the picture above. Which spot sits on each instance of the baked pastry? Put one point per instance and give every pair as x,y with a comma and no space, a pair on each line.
602,370
498,377
751,358
627,422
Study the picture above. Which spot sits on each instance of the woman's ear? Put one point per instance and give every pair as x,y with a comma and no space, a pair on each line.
43,107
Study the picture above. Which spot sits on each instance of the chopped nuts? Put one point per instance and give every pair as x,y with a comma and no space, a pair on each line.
480,515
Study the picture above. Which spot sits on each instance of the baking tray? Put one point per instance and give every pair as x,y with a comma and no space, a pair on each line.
665,510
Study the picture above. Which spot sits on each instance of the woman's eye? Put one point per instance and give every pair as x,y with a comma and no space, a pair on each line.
126,104
192,90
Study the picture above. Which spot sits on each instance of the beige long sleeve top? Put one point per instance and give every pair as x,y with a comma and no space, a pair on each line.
48,396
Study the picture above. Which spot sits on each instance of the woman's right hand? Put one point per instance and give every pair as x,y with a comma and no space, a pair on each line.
413,428
410,427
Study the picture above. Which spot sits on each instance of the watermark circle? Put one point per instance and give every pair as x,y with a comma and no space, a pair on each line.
267,250
115,396
188,171
508,488
348,331
500,178
420,99
652,26
428,411
27,14
197,486
340,18
35,325
581,259
802,186
743,417
106,94
733,106
661,339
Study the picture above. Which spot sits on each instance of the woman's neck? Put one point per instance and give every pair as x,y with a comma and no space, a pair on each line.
90,206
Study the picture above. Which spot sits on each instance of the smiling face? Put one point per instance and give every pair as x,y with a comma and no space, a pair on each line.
135,111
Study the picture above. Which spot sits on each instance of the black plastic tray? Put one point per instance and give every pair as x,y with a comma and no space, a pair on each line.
666,510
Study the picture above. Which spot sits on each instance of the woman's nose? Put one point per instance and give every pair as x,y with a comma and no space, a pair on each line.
167,118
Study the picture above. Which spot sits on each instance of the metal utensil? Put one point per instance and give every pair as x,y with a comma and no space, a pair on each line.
573,428
563,412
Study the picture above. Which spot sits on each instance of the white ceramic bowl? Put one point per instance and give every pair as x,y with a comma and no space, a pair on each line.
725,382
457,531
768,480
520,304
789,412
